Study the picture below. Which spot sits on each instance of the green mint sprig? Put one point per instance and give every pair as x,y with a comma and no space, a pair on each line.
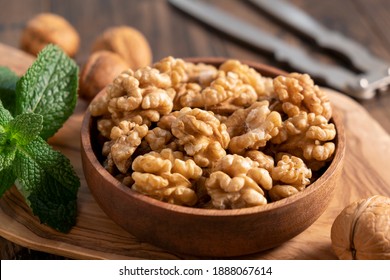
48,88
32,109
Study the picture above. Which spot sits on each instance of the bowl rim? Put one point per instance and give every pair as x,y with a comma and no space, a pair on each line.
337,160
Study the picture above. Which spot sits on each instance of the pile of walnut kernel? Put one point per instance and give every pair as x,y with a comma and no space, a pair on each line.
207,137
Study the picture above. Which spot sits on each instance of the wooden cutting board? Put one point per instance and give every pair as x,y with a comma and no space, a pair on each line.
96,236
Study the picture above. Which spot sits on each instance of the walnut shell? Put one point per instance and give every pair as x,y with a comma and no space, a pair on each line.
362,230
128,43
101,68
46,29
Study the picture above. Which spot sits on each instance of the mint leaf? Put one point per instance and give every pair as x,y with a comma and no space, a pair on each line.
7,155
8,80
48,182
7,147
5,118
7,179
25,127
49,88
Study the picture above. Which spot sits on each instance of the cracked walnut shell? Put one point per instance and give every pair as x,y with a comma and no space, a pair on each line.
362,230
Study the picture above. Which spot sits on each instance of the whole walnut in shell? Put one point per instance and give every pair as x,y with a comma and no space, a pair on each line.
127,42
47,28
101,69
362,230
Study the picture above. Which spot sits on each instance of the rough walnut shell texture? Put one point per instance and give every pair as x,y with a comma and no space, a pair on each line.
127,42
101,69
46,29
362,230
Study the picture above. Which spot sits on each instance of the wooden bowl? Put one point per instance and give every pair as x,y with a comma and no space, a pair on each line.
207,232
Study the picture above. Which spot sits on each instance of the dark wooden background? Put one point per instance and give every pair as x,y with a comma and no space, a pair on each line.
170,32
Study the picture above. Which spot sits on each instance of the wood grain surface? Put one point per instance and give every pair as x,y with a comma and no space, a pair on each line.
95,236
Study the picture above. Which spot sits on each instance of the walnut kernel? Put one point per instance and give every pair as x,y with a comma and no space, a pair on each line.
125,138
166,176
201,134
290,176
209,137
237,182
251,128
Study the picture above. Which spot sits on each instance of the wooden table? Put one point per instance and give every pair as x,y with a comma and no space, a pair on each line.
170,32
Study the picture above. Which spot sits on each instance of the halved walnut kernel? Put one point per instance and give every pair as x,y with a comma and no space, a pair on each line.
201,134
253,127
237,182
166,177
